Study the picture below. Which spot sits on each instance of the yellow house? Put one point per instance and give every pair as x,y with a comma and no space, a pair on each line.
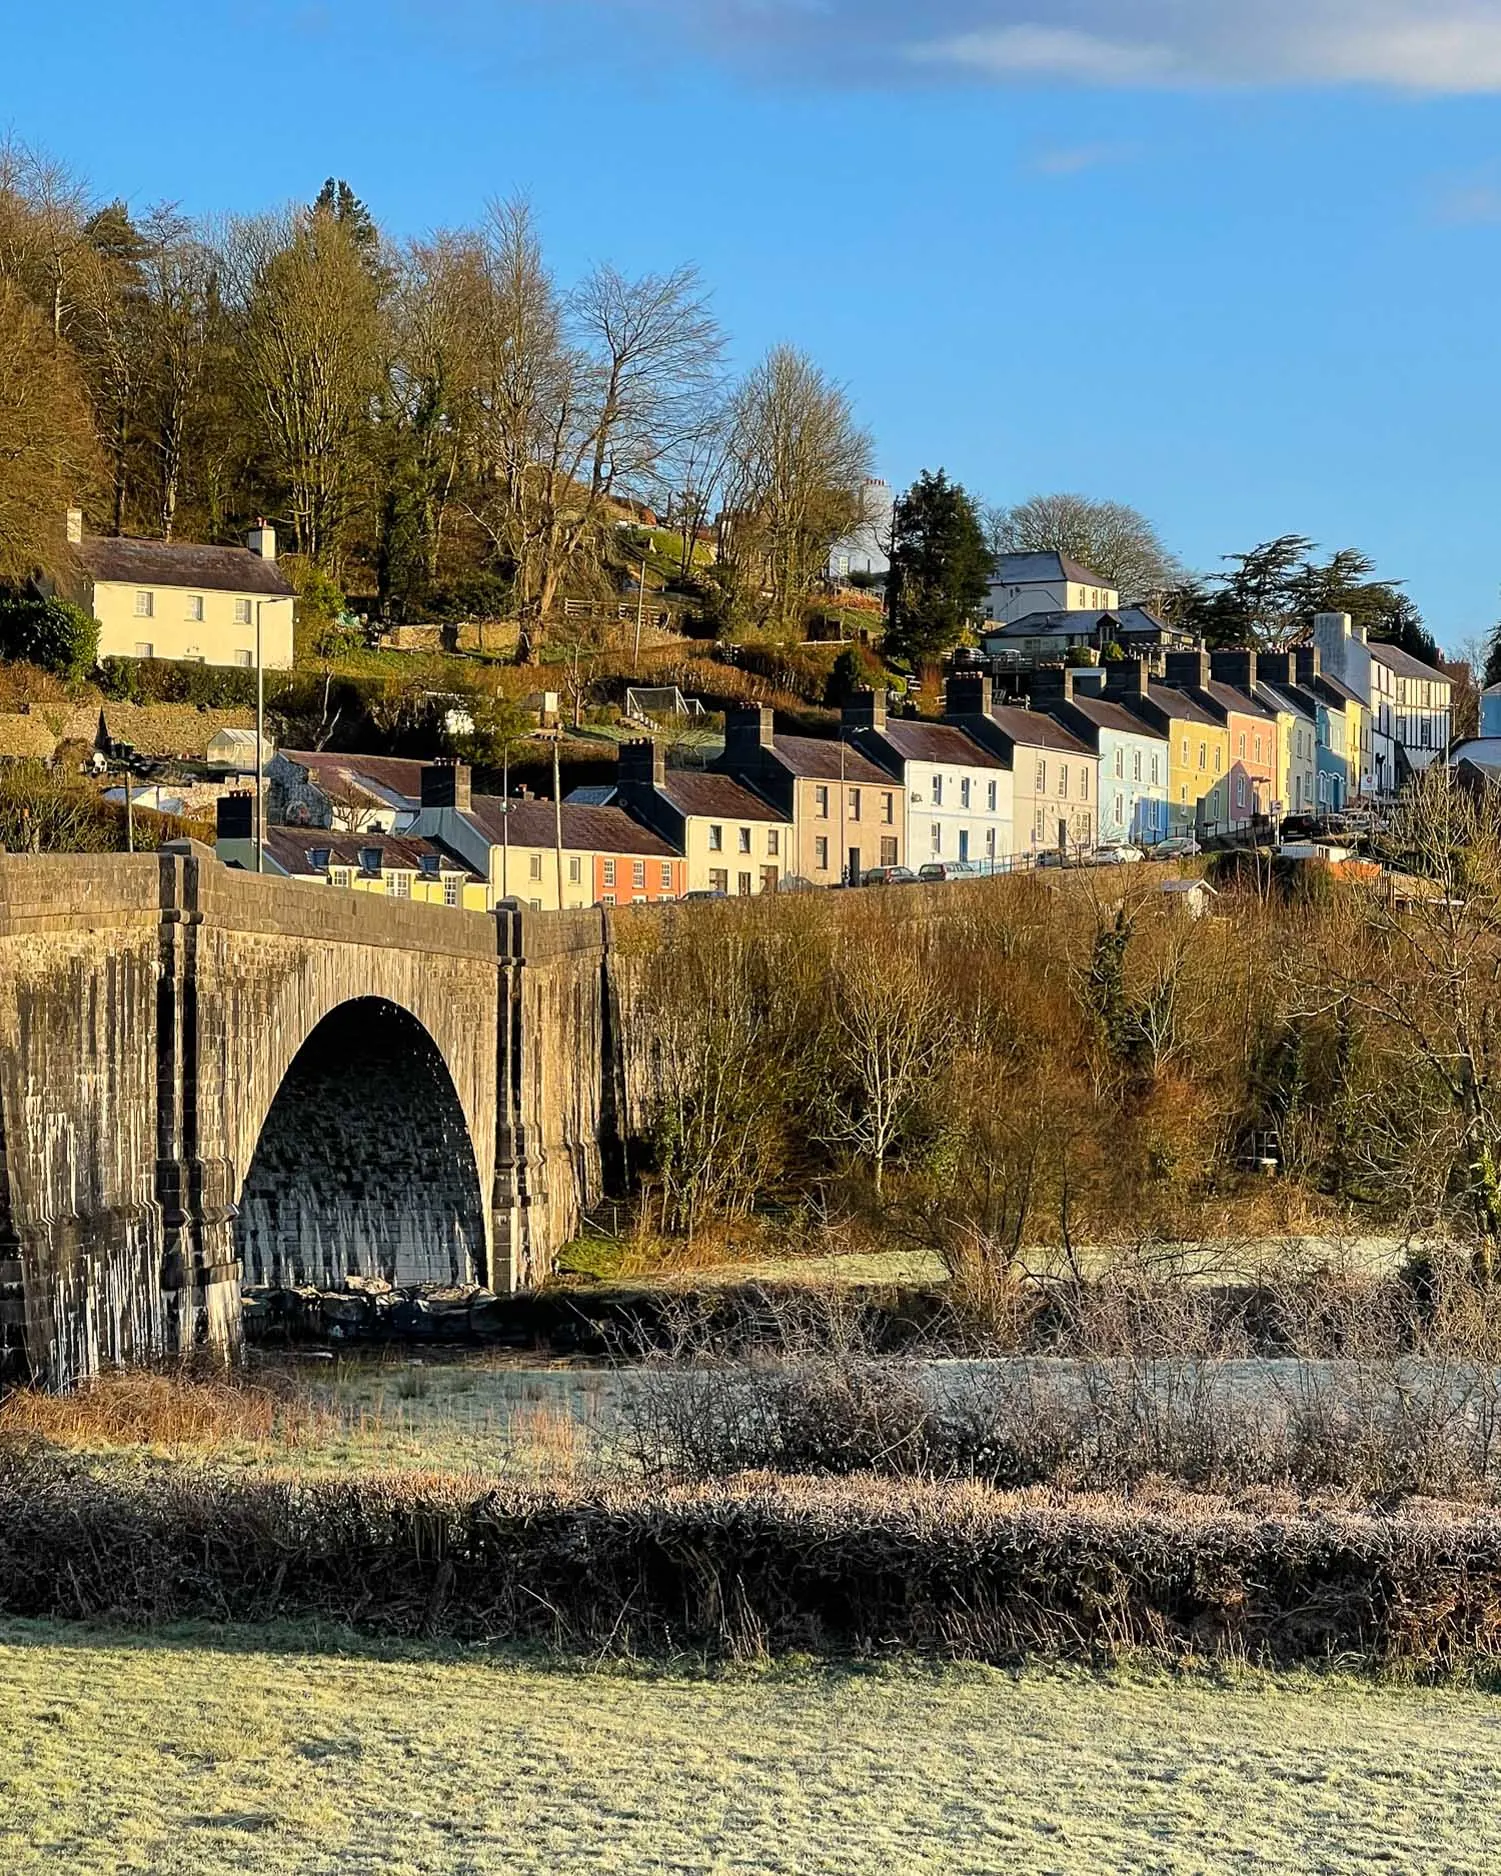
391,866
182,601
1198,773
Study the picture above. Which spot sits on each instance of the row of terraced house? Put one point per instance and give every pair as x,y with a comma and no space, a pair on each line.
1130,751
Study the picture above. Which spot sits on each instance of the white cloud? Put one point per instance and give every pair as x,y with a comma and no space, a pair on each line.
1416,45
1075,159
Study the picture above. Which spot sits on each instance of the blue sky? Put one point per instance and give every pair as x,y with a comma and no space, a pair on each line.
1233,261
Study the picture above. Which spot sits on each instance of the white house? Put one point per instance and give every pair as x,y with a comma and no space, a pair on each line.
865,552
958,794
1023,584
1407,706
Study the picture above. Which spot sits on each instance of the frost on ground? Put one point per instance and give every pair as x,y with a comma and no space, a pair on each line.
201,1754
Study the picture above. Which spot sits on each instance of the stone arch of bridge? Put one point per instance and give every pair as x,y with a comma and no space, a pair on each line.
364,1165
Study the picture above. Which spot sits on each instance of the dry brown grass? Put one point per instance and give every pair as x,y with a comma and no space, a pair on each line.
175,1411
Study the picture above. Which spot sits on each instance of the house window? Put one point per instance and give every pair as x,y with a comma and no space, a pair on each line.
937,838
716,838
743,884
638,873
1062,781
401,885
1185,750
964,792
745,841
1242,745
854,804
536,904
1084,784
1216,761
667,876
773,841
144,649
1154,768
1120,763
990,798
534,867
244,659
195,608
821,854
1135,767
888,852
575,869
451,889
1042,777
427,864
242,612
369,859
145,605
821,803
937,791
1203,755
888,809
319,858
610,873
719,881
1120,811
607,898
990,843
1240,791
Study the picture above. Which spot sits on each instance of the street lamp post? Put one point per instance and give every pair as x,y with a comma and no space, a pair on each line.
260,745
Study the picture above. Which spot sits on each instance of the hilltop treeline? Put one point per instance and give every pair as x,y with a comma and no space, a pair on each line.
438,423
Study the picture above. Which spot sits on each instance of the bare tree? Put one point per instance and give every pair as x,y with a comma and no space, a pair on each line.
1108,538
799,462
179,274
891,1026
311,339
581,396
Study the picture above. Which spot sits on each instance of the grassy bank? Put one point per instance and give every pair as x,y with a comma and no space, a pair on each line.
201,1754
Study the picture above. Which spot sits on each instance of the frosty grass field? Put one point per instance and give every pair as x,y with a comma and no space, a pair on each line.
196,1753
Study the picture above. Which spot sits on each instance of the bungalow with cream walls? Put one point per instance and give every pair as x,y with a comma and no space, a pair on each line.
957,793
182,601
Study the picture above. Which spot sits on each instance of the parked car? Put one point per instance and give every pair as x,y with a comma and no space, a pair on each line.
1179,847
795,882
932,870
706,892
888,876
1050,856
1116,856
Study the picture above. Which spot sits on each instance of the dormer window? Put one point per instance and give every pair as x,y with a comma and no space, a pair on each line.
369,859
429,864
319,858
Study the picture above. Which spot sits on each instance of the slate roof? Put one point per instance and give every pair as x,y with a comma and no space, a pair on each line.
1232,697
1035,731
1033,569
393,779
820,758
585,829
185,564
1404,664
937,742
1131,621
1289,697
1178,703
292,847
1108,714
699,794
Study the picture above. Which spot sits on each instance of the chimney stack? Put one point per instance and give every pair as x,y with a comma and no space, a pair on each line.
1234,667
261,540
1051,686
74,520
1127,678
1310,663
642,764
1277,667
866,710
967,694
747,734
445,784
1187,669
235,817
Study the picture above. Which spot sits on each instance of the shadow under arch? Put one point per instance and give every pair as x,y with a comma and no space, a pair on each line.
364,1166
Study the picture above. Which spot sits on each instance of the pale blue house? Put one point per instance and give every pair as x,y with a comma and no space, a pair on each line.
1133,798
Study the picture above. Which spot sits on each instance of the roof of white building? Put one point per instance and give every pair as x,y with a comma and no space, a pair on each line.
1038,569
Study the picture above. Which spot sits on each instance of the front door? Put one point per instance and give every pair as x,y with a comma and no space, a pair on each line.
768,879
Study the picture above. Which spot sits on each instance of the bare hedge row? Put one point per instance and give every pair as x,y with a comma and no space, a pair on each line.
759,1565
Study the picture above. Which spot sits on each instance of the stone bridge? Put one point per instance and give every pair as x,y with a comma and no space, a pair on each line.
208,1078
